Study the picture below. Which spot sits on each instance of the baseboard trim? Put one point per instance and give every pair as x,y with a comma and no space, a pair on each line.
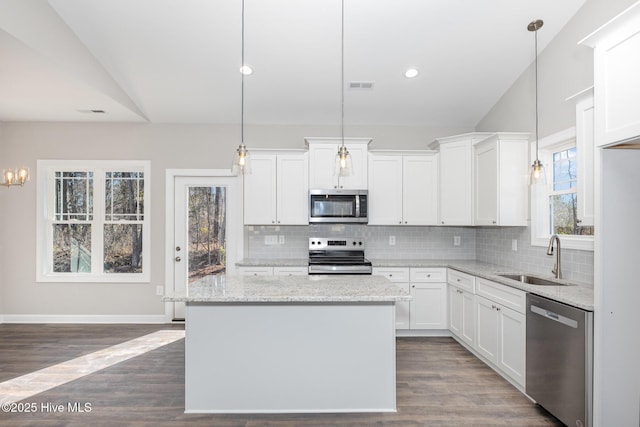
84,318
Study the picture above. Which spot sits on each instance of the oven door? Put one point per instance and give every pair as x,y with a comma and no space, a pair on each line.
337,206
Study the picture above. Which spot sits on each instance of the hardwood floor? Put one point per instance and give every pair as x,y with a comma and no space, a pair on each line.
439,383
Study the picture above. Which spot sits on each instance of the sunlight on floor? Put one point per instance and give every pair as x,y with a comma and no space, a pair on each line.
33,383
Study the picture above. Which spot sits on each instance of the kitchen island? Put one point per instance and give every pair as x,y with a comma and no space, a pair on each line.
258,344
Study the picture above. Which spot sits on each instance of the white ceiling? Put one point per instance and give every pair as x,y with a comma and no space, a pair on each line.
176,61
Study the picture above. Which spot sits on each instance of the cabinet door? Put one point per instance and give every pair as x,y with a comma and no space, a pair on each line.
385,192
292,189
511,356
468,318
455,311
456,179
420,190
260,191
486,184
429,306
403,309
290,271
322,159
487,320
255,271
358,180
585,145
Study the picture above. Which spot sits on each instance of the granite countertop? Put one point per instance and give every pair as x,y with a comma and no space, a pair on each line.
269,289
573,293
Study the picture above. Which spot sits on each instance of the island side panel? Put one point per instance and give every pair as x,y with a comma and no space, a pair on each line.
286,358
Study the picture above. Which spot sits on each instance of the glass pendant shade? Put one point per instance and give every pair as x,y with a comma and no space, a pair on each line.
241,161
538,174
344,164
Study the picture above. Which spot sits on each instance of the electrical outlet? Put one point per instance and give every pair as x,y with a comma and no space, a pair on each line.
514,244
270,240
456,240
392,240
160,290
281,239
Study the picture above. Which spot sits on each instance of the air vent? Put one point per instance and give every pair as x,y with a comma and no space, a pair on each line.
361,85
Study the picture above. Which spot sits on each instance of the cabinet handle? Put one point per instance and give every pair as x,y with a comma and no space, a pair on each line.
442,222
390,275
399,222
413,286
458,280
494,222
405,222
579,221
428,275
458,291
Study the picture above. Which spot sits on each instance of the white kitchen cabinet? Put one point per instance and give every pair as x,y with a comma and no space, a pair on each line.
429,303
462,306
456,177
255,271
585,147
501,330
403,188
276,191
501,179
290,271
322,160
399,276
615,75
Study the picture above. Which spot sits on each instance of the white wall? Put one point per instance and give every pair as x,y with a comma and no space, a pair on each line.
168,147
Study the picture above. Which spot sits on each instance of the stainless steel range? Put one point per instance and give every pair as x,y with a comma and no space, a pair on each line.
337,256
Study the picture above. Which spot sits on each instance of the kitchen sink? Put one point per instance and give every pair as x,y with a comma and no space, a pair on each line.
532,280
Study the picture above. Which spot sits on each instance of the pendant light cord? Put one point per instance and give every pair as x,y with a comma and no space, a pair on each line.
242,84
342,73
536,48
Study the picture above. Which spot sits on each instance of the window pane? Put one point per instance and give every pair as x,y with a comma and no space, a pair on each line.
207,231
74,196
123,248
124,196
565,170
564,211
71,248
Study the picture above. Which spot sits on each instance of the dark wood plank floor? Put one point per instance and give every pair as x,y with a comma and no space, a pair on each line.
439,383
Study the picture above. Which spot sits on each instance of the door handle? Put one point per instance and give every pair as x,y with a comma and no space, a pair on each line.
178,259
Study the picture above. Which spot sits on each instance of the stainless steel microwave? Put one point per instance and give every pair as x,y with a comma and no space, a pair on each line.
338,206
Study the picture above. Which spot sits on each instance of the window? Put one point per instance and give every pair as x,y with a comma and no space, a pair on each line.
92,225
555,206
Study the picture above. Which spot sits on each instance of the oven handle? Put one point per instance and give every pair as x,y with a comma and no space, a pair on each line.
357,206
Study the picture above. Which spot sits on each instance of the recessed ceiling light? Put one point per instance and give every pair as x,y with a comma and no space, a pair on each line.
411,73
246,70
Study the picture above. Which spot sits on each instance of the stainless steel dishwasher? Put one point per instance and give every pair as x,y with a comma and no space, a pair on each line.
560,359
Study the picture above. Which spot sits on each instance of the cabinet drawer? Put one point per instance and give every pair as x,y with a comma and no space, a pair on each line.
428,275
256,271
462,280
395,274
512,298
290,271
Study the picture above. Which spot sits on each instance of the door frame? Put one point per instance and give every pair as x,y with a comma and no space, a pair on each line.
235,229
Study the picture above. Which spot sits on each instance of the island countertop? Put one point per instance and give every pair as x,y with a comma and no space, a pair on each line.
270,289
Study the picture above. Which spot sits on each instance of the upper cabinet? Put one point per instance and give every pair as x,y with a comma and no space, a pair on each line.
403,188
501,178
276,191
456,177
616,83
322,160
586,145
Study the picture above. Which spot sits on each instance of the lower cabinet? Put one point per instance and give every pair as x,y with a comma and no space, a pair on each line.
462,306
428,309
500,330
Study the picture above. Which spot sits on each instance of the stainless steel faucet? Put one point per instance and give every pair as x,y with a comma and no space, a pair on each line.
556,268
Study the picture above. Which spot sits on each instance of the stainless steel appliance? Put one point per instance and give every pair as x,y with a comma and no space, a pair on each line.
338,206
337,256
560,359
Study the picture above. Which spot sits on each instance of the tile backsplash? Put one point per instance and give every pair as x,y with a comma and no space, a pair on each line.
490,244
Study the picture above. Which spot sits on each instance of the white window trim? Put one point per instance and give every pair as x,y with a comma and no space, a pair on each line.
539,196
45,200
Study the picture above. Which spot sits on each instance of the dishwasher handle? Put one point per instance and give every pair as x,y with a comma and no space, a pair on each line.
554,316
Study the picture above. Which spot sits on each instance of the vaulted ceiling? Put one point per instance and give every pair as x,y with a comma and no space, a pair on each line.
177,61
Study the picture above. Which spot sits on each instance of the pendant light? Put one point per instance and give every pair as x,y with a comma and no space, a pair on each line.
343,163
241,164
538,174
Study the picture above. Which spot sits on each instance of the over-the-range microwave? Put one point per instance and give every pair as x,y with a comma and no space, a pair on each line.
338,206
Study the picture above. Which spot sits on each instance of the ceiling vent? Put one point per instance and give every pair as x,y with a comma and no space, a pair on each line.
361,85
